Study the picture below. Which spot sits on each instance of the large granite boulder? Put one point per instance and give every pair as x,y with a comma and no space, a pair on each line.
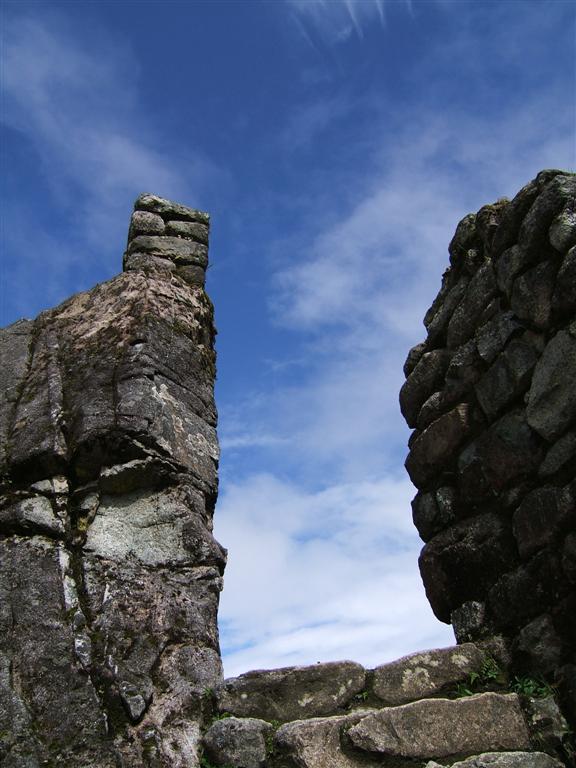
110,575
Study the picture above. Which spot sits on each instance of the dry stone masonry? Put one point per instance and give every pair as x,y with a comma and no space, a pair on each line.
110,575
491,395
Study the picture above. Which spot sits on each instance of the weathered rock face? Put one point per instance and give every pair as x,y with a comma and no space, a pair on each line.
491,394
109,573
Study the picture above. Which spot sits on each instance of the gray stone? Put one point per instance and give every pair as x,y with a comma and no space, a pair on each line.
191,274
413,357
468,621
438,444
505,760
539,646
569,557
542,516
510,374
488,220
442,728
425,379
511,263
34,630
145,223
541,578
514,213
492,337
554,197
425,674
481,289
559,455
188,229
431,410
548,722
177,249
445,309
15,349
552,398
564,298
170,210
153,528
506,453
562,233
465,368
34,514
434,511
146,262
463,237
461,563
291,693
317,743
532,295
238,743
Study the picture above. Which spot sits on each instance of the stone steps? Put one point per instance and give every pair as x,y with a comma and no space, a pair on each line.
410,712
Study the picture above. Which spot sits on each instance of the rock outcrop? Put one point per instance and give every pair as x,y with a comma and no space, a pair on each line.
491,395
109,573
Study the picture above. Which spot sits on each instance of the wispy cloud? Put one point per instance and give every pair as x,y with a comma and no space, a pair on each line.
337,20
76,100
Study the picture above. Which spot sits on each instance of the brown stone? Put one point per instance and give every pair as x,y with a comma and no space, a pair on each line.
424,674
291,693
317,743
442,728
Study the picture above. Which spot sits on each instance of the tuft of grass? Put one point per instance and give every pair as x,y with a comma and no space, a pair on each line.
533,687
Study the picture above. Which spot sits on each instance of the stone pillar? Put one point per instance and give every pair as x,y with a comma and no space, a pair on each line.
109,573
491,395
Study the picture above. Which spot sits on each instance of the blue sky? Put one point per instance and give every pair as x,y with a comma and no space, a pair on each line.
336,145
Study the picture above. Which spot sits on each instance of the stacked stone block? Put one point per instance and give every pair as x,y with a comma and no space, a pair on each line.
109,573
168,237
401,714
491,395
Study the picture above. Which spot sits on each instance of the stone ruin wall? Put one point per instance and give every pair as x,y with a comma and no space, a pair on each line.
110,575
491,395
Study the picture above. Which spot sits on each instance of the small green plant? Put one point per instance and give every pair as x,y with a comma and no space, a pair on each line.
490,671
531,686
220,716
462,689
488,674
362,696
269,738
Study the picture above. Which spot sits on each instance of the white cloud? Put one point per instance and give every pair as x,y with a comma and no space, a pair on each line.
331,569
315,575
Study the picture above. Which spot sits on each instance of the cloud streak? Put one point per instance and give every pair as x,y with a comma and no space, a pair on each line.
76,101
337,20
